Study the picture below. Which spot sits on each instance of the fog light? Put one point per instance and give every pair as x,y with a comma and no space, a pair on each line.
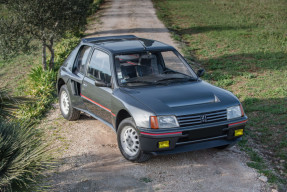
163,144
238,132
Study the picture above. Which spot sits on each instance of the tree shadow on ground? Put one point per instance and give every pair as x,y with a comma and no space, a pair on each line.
129,30
204,29
234,65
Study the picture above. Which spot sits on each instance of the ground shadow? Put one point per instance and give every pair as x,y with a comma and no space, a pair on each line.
130,30
233,65
86,117
204,29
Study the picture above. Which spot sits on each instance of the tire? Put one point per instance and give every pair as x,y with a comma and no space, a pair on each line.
66,108
129,142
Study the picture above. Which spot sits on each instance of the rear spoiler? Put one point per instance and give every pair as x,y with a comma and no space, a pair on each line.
108,38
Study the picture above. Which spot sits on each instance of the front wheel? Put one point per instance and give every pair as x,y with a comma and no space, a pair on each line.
129,142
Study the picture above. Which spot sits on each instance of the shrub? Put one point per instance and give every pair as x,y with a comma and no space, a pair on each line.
40,86
95,6
23,157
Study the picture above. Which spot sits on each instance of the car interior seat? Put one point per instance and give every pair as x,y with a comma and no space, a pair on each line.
148,66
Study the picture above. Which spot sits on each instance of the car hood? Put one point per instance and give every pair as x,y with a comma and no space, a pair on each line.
184,98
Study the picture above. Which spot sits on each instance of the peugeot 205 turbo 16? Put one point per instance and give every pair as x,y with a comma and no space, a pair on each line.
149,95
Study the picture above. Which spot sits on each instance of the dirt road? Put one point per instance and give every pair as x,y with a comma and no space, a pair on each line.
90,159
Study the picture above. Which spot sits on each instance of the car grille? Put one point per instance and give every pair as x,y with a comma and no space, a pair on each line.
209,133
202,118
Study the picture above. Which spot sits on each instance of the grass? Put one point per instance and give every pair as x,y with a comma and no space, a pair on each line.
243,47
14,70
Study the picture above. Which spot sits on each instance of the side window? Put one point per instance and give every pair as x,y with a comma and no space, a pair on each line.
81,61
71,57
99,67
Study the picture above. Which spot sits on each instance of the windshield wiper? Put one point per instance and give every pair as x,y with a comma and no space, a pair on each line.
177,78
138,81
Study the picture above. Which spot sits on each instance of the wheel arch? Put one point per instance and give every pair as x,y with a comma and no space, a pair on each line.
60,83
122,114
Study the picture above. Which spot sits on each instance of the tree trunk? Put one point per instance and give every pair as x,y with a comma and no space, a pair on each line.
51,48
44,55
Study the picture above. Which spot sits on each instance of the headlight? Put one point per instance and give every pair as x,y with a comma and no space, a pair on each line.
163,122
234,112
167,121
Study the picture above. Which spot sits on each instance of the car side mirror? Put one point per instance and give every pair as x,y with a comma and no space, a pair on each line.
200,72
100,83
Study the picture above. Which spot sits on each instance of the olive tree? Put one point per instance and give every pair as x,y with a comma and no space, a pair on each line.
45,20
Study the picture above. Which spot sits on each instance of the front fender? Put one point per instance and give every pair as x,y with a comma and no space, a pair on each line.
139,112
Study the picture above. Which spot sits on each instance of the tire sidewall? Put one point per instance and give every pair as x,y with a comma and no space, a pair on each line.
128,122
64,88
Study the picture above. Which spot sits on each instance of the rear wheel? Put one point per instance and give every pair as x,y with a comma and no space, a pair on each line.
67,110
129,142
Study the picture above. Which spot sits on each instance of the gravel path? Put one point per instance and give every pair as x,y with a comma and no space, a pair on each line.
88,153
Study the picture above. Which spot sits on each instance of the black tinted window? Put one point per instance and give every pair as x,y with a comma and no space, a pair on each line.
99,67
82,58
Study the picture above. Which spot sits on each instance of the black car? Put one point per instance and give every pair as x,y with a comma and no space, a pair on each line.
146,92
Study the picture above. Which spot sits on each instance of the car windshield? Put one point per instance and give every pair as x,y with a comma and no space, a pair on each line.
151,68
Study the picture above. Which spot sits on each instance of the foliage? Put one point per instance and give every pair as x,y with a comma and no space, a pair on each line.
40,86
243,46
7,104
23,157
11,38
42,20
64,48
95,6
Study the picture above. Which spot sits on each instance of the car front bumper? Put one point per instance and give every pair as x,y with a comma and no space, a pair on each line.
190,139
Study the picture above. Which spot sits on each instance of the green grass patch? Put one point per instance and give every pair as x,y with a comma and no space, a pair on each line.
243,47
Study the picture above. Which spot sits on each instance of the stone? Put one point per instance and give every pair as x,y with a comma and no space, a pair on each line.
263,178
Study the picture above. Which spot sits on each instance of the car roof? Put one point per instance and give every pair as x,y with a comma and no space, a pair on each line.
127,43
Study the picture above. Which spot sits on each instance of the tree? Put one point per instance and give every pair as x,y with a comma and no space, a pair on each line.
45,20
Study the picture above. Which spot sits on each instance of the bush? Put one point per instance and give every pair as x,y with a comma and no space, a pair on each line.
23,157
40,86
95,6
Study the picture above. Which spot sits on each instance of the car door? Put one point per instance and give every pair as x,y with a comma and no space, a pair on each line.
77,76
97,98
